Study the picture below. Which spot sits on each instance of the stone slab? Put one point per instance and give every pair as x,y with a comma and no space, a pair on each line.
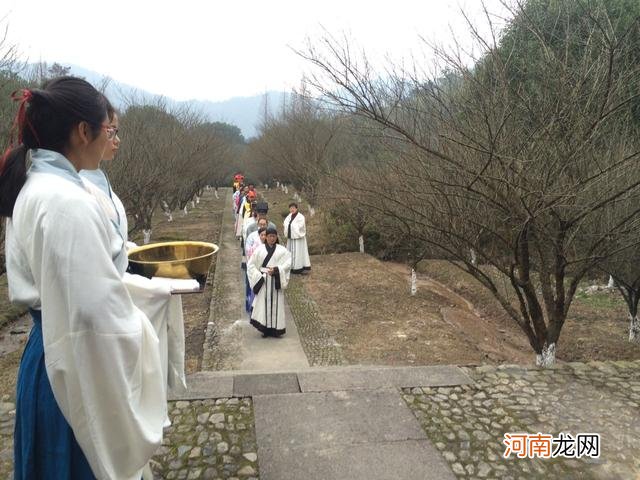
408,460
354,435
270,353
328,418
382,377
265,384
204,385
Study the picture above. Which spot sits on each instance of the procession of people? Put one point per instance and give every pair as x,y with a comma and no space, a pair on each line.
266,263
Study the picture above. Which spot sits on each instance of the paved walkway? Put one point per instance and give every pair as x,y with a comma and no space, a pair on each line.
231,342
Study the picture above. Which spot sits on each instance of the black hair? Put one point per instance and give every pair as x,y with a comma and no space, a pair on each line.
51,114
293,204
111,111
261,229
271,230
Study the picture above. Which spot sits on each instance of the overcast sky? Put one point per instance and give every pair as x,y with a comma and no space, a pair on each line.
214,50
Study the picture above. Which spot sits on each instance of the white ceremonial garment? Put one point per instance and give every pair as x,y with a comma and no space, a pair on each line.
152,296
240,218
268,305
249,222
297,244
250,244
102,354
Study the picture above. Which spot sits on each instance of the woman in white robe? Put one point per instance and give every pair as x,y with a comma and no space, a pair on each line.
296,233
268,273
152,296
90,396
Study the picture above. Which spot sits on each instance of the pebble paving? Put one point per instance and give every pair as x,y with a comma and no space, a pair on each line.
467,423
319,346
209,439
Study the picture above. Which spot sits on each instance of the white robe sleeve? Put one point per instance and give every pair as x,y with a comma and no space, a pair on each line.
298,227
164,311
253,266
101,352
284,266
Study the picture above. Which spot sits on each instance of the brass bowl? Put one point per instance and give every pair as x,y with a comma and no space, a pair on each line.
173,260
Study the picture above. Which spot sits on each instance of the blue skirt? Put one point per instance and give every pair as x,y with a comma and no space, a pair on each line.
44,444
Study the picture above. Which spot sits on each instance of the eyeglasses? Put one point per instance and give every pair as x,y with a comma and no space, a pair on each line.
112,132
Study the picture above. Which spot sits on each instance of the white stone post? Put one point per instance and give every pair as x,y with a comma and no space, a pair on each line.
361,243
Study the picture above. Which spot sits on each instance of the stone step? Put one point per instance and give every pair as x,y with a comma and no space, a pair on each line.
243,383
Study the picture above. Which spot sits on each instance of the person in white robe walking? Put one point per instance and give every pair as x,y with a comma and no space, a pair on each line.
296,232
91,400
268,272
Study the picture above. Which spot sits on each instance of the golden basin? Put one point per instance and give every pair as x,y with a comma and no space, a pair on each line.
173,260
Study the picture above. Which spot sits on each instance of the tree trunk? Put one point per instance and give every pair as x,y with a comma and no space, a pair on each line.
361,242
634,329
612,282
184,211
474,259
147,236
197,199
193,204
216,192
548,356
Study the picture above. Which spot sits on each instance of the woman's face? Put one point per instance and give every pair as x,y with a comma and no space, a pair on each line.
293,210
114,143
89,149
271,239
263,236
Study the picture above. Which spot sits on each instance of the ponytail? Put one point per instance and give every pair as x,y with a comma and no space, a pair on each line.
13,175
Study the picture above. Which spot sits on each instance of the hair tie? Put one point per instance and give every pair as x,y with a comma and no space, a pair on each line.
23,96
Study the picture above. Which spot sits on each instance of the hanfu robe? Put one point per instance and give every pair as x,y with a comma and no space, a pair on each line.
296,233
241,216
268,305
235,203
100,352
152,296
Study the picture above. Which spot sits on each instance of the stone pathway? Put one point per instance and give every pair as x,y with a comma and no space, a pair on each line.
209,439
467,423
231,343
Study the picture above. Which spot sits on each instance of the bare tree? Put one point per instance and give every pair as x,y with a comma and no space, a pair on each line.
512,156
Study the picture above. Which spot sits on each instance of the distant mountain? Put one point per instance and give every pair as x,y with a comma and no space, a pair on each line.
244,112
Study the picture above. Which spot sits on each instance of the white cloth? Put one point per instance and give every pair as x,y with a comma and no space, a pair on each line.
297,244
164,310
102,354
268,305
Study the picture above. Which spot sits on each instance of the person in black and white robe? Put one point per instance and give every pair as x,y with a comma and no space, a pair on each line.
296,232
268,272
